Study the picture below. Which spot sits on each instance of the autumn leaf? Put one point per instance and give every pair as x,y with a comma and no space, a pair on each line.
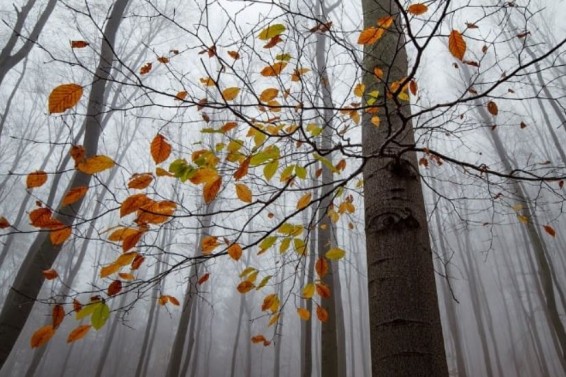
273,69
131,204
203,278
163,59
42,336
298,73
234,55
211,189
271,31
456,44
78,153
242,170
59,236
140,181
243,192
95,164
413,87
74,194
109,270
235,251
268,94
359,90
304,314
304,201
245,286
50,274
273,42
114,288
57,315
322,290
160,149
145,69
79,44
308,290
64,97
4,223
180,96
230,94
174,301
137,262
128,276
78,333
208,244
335,254
550,230
258,339
321,313
321,267
100,315
36,179
417,9
492,108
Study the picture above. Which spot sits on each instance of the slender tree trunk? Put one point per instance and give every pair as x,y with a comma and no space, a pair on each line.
405,329
43,253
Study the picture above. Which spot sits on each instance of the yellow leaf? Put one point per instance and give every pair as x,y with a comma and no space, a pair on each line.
126,258
109,270
78,333
375,121
235,251
230,94
456,44
95,164
268,94
243,192
308,290
64,97
36,179
270,301
204,175
207,81
359,90
335,254
74,194
271,31
42,336
523,219
273,320
304,201
304,314
297,73
417,9
160,148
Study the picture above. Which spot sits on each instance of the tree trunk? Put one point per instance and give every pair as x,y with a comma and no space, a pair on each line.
43,253
405,329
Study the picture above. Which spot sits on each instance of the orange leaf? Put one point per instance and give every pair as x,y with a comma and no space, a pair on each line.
131,241
137,262
268,94
42,336
181,95
164,299
174,301
95,164
160,172
64,97
78,44
74,194
456,44
128,276
126,258
160,149
78,333
121,233
50,274
203,278
242,170
274,69
57,315
258,339
234,55
323,290
228,126
245,286
156,212
550,230
321,313
244,193
4,223
378,72
59,236
211,189
492,108
321,267
235,251
114,288
109,270
140,181
273,41
304,201
304,314
36,179
133,203
208,244
417,9
145,69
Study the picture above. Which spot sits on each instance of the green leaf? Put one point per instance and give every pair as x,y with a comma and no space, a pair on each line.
100,315
326,162
290,229
182,169
284,245
283,57
300,172
314,129
271,31
264,282
86,311
300,246
267,243
335,254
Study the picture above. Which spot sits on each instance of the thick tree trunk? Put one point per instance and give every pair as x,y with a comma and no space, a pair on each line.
405,329
43,253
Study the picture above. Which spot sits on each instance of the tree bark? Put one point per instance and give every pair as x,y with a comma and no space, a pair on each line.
405,329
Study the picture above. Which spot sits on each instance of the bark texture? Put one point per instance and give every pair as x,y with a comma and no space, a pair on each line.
405,330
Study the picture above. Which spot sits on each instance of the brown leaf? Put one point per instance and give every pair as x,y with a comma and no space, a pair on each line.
321,313
160,149
211,189
163,59
235,251
114,288
79,44
234,55
492,108
64,97
550,230
4,223
323,290
457,44
140,181
273,41
57,315
146,68
321,267
137,262
36,179
50,274
203,278
78,153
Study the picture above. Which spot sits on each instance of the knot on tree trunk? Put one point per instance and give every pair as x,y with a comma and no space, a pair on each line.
394,220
